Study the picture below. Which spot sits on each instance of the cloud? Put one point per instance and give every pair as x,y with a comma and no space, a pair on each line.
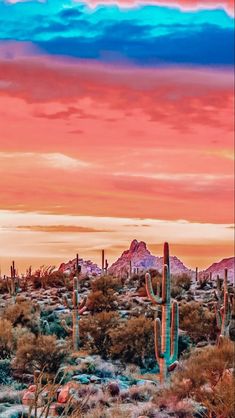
191,96
60,228
145,35
53,160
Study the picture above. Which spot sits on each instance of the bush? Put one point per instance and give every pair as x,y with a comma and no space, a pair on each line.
6,339
95,331
133,342
3,286
104,283
198,321
38,353
46,277
23,313
5,372
206,378
183,280
98,301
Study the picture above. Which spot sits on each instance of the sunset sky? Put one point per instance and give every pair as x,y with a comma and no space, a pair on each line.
116,122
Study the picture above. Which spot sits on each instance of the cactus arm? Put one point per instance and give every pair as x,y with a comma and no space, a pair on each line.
149,289
68,329
75,299
66,302
226,314
218,317
232,321
157,339
174,332
83,303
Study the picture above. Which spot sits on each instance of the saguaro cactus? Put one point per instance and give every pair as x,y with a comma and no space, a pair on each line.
223,308
166,329
77,309
13,281
102,261
106,267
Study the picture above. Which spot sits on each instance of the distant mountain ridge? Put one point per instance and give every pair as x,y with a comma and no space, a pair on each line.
141,258
87,267
219,267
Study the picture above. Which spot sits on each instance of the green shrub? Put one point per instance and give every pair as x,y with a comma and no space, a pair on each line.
5,372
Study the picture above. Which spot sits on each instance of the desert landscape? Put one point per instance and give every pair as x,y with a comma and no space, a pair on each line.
117,276
145,337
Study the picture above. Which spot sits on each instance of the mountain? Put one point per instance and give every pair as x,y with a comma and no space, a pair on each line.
87,267
218,268
141,258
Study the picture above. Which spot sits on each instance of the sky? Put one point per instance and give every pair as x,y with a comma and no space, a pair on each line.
116,123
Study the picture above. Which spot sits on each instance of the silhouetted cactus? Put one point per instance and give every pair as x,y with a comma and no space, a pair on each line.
77,309
166,329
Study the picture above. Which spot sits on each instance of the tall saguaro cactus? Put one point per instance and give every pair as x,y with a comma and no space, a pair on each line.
77,309
166,329
13,281
223,308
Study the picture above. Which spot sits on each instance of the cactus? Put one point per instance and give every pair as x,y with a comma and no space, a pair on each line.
223,307
231,327
166,329
77,310
106,267
130,269
196,274
102,261
13,281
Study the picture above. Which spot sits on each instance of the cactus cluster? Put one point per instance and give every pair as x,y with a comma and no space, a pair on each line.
77,308
223,308
166,328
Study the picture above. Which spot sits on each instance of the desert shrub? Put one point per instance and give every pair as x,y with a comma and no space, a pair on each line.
103,296
3,286
46,277
104,283
203,281
133,342
99,301
41,352
50,324
5,371
6,339
207,378
23,313
180,284
95,331
184,344
183,280
197,320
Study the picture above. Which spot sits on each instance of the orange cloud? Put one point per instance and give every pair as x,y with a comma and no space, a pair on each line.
59,228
